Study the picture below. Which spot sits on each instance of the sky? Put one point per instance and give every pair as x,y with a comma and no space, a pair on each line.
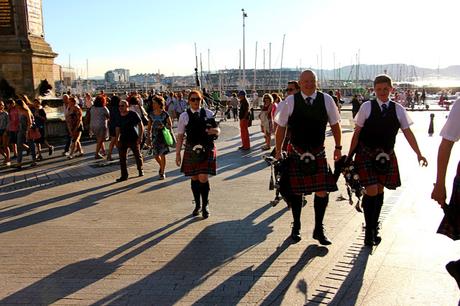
148,36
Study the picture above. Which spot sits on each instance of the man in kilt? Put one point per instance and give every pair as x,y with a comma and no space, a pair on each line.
306,114
450,224
199,159
377,124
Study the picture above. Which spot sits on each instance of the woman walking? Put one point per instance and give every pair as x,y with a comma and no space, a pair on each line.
114,113
266,120
4,149
199,159
158,120
74,121
40,122
99,116
24,140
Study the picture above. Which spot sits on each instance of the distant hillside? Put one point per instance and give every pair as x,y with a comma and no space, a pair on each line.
399,72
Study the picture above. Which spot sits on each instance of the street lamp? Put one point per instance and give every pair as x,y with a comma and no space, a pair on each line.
244,51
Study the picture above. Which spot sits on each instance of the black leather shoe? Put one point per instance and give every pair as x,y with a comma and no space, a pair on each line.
295,235
141,173
205,212
196,211
369,238
319,235
121,179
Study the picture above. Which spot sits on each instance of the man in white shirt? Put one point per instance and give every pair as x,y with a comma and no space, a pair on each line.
450,224
307,114
377,124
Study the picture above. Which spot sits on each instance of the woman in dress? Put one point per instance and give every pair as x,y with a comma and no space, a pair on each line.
158,119
199,160
99,116
74,121
4,150
114,113
266,120
23,140
40,122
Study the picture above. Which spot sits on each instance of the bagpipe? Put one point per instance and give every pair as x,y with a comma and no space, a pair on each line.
278,172
343,166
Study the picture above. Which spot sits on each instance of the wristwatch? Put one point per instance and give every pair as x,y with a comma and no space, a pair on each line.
338,147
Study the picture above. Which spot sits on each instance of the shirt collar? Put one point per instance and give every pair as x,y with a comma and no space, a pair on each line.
304,96
381,102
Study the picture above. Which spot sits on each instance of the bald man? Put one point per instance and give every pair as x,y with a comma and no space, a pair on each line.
307,114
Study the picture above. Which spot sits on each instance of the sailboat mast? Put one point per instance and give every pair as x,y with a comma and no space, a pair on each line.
255,69
281,66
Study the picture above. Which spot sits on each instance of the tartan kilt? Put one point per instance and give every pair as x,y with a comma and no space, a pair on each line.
364,165
299,183
450,224
208,166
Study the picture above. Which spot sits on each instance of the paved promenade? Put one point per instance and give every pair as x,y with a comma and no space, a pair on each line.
70,235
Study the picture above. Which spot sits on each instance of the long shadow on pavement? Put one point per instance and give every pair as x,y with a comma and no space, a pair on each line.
63,210
275,297
79,275
213,248
350,288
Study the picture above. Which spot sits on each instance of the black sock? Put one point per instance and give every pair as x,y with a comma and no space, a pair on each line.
369,205
320,205
378,208
196,192
204,190
295,200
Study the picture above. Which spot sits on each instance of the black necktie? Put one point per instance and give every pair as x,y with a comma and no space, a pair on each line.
384,109
308,101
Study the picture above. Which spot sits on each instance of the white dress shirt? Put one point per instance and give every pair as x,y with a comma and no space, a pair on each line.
183,119
451,130
365,111
286,109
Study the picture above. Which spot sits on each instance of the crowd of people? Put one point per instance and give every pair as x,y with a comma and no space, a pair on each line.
22,128
135,122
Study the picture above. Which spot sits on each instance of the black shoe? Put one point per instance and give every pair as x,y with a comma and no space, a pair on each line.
453,268
121,179
50,150
369,238
196,211
141,173
319,235
205,212
295,235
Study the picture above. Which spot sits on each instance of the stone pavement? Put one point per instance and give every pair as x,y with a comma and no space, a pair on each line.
71,236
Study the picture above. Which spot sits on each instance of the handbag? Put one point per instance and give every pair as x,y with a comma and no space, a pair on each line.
167,136
33,134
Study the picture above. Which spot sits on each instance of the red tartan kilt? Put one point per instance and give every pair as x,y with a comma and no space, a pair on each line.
208,166
364,165
299,183
450,224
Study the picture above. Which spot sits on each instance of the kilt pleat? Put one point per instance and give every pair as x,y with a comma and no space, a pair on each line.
300,183
368,175
450,224
208,166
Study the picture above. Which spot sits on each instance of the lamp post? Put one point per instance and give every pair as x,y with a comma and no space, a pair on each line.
244,51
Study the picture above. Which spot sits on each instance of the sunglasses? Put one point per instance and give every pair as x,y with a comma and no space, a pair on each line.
195,99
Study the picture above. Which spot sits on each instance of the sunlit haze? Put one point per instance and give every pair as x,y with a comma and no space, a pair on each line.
150,36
